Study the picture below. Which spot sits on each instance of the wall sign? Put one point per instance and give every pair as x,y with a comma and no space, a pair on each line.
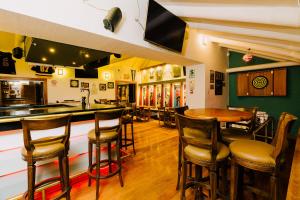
40,69
260,82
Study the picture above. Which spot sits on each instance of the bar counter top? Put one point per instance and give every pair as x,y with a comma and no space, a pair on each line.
15,113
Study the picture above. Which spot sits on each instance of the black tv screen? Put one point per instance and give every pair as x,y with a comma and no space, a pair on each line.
164,28
86,73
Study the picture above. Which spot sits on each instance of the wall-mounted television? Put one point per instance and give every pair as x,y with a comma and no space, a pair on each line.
86,73
163,28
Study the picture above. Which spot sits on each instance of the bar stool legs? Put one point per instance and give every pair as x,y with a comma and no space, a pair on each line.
31,169
125,139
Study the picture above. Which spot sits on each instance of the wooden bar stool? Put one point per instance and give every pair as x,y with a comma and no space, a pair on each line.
106,134
127,118
46,148
261,157
201,148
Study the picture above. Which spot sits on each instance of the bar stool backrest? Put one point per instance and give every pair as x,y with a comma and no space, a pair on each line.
103,115
180,110
207,130
283,127
45,123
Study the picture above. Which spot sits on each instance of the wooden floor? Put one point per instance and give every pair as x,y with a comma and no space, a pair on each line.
150,174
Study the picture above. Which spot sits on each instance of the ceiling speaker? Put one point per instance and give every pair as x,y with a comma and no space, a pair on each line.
112,19
17,52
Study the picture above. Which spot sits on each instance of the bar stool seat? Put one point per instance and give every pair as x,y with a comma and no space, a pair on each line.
201,156
254,152
44,150
105,135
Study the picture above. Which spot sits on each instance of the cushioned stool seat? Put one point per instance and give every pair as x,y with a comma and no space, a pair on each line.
256,152
44,149
200,155
105,135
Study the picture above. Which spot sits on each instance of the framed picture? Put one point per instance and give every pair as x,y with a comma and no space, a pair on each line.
74,83
85,85
211,76
102,87
110,85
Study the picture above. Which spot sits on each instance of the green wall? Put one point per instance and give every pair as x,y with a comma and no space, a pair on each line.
272,105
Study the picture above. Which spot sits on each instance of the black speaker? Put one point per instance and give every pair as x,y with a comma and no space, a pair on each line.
184,71
112,19
17,52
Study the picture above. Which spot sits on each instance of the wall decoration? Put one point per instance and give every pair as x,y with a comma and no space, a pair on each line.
159,73
74,83
151,73
126,76
192,86
102,87
248,56
192,73
60,72
270,82
84,85
260,82
176,95
106,76
219,78
158,96
133,73
176,71
7,64
44,70
110,85
211,76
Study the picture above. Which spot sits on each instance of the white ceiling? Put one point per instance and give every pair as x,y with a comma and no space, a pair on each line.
238,2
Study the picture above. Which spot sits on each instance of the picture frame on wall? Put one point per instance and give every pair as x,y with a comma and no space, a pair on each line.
102,87
110,85
74,83
211,76
84,85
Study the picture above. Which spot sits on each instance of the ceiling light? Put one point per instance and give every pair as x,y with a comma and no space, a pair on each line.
51,50
44,59
87,55
73,63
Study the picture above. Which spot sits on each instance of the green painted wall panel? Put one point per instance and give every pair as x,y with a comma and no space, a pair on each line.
272,105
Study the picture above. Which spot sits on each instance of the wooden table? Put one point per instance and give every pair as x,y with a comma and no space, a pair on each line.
222,115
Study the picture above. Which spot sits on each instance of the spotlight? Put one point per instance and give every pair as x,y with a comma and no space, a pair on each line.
112,19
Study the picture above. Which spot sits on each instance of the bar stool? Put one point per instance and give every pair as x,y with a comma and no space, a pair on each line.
106,134
46,148
259,156
204,151
127,118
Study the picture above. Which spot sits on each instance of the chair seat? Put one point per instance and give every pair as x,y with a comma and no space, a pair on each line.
201,156
233,134
126,119
255,152
104,135
45,150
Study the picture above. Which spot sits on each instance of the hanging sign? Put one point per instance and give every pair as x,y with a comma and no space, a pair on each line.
44,70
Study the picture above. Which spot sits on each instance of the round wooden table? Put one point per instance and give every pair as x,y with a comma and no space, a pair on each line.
222,115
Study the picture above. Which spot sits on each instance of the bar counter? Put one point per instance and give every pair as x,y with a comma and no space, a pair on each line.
15,113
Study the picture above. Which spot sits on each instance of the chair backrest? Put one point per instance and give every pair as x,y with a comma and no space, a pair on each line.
45,123
283,127
205,133
180,110
249,125
105,115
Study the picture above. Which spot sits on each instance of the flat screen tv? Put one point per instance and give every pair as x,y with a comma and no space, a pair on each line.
86,73
163,28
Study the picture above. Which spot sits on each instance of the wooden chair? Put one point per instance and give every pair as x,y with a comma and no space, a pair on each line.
260,156
105,135
143,114
180,111
169,118
201,147
239,130
127,118
294,181
46,148
161,118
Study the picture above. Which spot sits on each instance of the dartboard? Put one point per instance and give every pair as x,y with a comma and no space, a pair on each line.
260,82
